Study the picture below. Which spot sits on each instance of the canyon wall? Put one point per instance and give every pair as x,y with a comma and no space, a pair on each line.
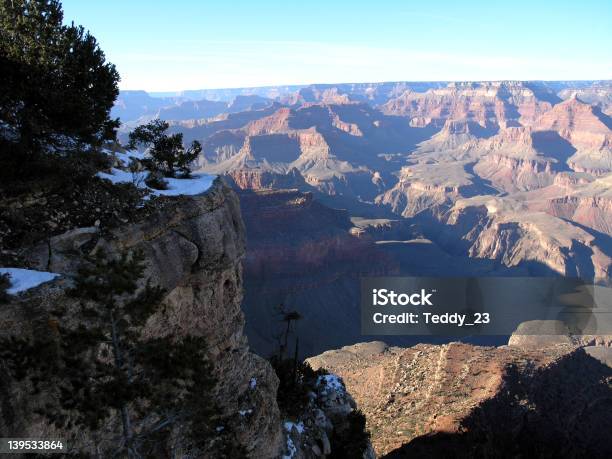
193,248
301,255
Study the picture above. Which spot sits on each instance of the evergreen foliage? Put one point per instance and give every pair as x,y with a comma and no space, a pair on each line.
296,380
352,441
56,89
167,152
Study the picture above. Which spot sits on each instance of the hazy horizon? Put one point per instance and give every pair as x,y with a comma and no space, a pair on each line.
332,83
188,44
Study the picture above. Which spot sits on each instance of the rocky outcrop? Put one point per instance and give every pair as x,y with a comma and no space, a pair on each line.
381,229
459,400
453,135
511,160
258,179
408,197
490,104
597,93
515,174
594,212
221,146
193,249
586,201
430,186
507,231
583,125
326,415
587,129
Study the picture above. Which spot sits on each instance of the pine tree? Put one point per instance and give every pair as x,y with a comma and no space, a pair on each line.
167,152
56,89
103,369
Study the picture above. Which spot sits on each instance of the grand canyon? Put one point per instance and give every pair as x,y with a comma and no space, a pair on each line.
445,179
341,181
287,265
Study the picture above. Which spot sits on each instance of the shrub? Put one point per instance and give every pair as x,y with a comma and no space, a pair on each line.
168,154
352,440
296,380
156,181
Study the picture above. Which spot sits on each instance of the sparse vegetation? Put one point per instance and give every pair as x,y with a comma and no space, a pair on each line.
168,155
297,386
296,378
296,381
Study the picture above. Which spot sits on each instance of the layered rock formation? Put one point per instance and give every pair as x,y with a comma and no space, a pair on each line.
490,104
334,146
598,93
511,161
426,186
325,417
587,129
505,230
508,136
258,179
491,177
578,197
459,400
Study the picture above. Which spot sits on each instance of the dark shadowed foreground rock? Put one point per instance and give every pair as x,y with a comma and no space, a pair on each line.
459,400
193,249
326,416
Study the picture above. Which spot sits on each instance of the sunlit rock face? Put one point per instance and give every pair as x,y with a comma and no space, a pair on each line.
479,401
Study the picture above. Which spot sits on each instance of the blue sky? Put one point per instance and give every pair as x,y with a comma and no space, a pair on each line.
190,44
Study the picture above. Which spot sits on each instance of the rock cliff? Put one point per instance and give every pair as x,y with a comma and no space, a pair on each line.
193,249
490,104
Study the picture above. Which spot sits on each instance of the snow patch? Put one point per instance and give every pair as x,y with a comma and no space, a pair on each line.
290,425
198,184
253,383
189,187
331,382
125,158
25,279
121,176
244,412
291,449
